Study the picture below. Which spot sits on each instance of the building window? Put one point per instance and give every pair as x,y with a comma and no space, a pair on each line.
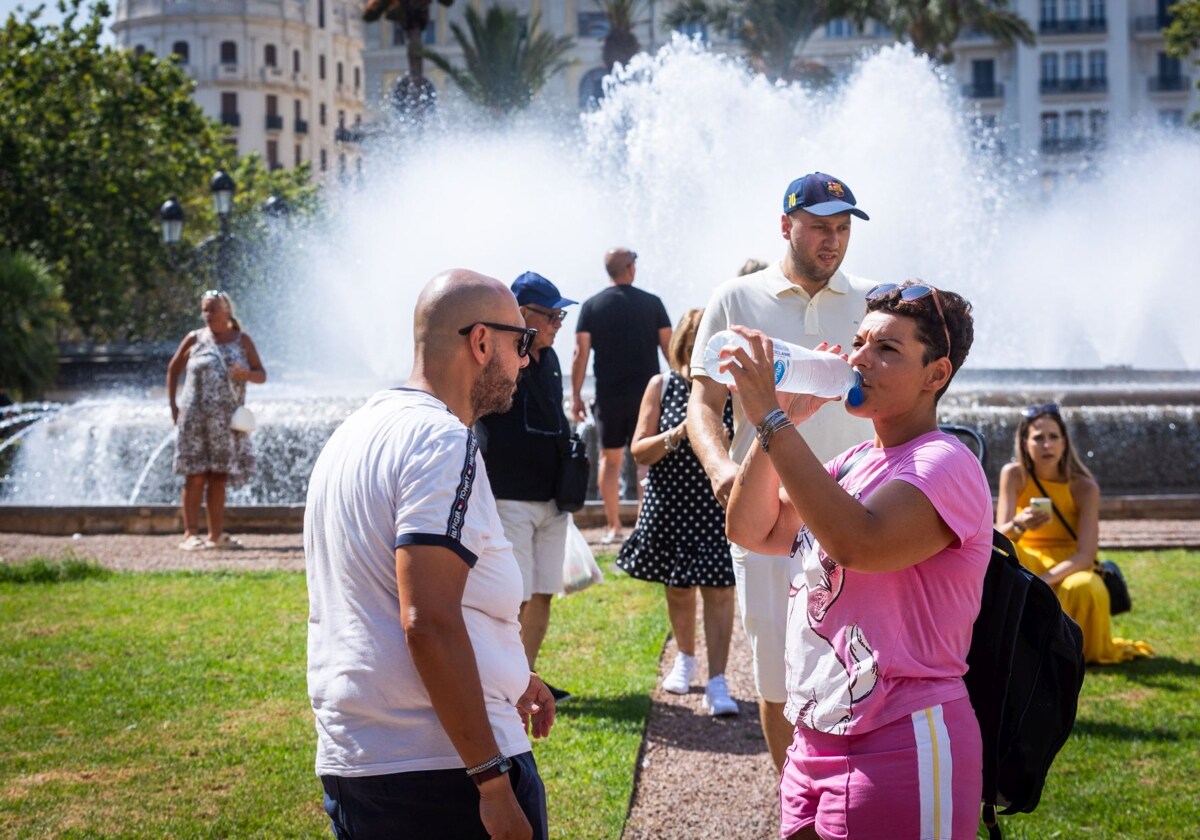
342,166
295,61
341,119
1098,64
839,28
1073,66
270,56
299,155
693,30
1171,118
1050,126
1049,67
272,154
1048,11
228,52
357,78
1096,10
229,109
180,52
297,110
139,51
1074,9
321,67
272,105
324,160
341,76
321,114
1098,124
1168,67
1074,125
321,14
591,25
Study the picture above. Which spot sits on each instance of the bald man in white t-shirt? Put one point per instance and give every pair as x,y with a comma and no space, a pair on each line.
804,299
416,671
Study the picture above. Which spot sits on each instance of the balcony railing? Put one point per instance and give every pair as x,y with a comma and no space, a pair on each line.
274,122
1151,23
1055,86
983,90
1169,84
232,118
1068,145
302,126
1077,26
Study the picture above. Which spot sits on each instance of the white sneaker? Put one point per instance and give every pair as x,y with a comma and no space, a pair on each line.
717,699
680,678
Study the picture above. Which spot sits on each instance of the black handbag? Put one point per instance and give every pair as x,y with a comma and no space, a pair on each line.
574,470
1118,592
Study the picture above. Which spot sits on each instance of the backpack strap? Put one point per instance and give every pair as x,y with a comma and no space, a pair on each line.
844,470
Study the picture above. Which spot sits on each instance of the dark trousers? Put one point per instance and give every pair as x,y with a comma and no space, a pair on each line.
426,803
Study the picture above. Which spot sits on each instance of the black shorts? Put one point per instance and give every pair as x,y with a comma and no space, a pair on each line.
616,419
426,803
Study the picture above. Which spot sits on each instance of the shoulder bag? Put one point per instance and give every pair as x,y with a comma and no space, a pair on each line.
1118,592
571,482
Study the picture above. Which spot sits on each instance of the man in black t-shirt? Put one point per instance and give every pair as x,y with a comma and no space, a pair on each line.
626,327
522,450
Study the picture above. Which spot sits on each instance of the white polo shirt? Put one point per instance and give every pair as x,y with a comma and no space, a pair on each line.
768,301
402,470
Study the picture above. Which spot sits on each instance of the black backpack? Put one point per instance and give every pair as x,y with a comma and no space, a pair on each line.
1024,672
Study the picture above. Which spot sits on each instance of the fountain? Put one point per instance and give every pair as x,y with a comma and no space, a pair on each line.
1076,293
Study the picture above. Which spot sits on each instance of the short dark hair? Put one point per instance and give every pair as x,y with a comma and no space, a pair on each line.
959,323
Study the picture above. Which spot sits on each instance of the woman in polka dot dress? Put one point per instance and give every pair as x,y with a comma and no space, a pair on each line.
680,539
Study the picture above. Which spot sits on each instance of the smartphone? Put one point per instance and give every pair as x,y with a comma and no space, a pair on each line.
1041,504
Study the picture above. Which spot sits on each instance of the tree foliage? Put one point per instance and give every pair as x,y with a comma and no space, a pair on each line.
508,60
621,43
932,26
1183,38
93,139
31,310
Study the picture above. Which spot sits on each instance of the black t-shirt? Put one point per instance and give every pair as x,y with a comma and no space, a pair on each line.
624,324
520,446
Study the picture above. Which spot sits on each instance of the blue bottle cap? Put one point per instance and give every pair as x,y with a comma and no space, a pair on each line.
854,396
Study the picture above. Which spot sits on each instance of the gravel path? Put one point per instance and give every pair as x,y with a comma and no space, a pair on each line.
697,776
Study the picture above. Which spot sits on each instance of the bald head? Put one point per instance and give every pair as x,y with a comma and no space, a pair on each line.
618,261
455,299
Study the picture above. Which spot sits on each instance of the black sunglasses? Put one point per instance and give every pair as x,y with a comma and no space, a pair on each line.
552,317
1038,410
523,342
909,294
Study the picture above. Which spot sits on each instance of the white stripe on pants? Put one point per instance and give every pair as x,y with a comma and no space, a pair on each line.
935,773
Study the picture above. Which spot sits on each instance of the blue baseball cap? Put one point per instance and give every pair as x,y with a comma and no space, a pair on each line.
532,287
821,195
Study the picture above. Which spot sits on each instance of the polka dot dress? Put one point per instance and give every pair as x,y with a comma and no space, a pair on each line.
680,535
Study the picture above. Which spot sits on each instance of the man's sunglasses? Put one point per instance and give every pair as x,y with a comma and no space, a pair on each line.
553,317
1038,410
909,294
523,343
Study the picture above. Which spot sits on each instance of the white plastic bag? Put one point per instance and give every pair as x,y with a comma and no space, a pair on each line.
579,564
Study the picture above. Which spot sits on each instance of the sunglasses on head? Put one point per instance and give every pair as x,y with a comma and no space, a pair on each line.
912,293
211,293
523,342
1038,410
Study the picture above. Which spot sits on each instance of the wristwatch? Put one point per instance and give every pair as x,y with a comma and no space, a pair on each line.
490,769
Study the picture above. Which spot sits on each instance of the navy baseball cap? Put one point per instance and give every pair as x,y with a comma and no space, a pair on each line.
532,287
821,195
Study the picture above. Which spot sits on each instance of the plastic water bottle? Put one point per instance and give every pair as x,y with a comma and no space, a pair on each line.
798,370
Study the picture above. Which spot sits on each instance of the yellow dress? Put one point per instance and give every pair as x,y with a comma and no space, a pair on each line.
1082,594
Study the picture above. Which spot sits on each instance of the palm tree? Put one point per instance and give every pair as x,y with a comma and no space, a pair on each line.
772,31
31,311
620,44
932,26
507,61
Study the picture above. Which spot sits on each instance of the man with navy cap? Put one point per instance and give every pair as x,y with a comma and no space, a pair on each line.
804,299
522,449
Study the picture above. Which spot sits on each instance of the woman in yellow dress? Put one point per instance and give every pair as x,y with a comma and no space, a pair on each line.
1044,545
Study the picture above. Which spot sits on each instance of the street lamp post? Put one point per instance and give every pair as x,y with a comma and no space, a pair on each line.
171,214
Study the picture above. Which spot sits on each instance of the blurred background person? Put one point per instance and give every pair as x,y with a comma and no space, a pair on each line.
1062,553
680,539
219,359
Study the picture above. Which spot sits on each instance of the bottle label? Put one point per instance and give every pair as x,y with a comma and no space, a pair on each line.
780,370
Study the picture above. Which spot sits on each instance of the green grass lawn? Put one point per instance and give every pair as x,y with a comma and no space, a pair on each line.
174,705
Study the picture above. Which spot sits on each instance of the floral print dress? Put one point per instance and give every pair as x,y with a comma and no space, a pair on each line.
204,442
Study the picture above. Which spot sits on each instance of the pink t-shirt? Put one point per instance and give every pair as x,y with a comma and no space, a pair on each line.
864,649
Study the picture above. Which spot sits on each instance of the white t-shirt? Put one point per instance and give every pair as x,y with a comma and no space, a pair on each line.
402,470
768,301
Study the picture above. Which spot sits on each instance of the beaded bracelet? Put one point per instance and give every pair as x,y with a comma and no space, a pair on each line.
669,440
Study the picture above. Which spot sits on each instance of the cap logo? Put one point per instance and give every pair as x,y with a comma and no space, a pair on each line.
835,189
791,200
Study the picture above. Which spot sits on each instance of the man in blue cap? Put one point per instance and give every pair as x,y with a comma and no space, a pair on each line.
522,448
805,299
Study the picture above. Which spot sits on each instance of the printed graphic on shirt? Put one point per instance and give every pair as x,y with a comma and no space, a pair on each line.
837,663
462,496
